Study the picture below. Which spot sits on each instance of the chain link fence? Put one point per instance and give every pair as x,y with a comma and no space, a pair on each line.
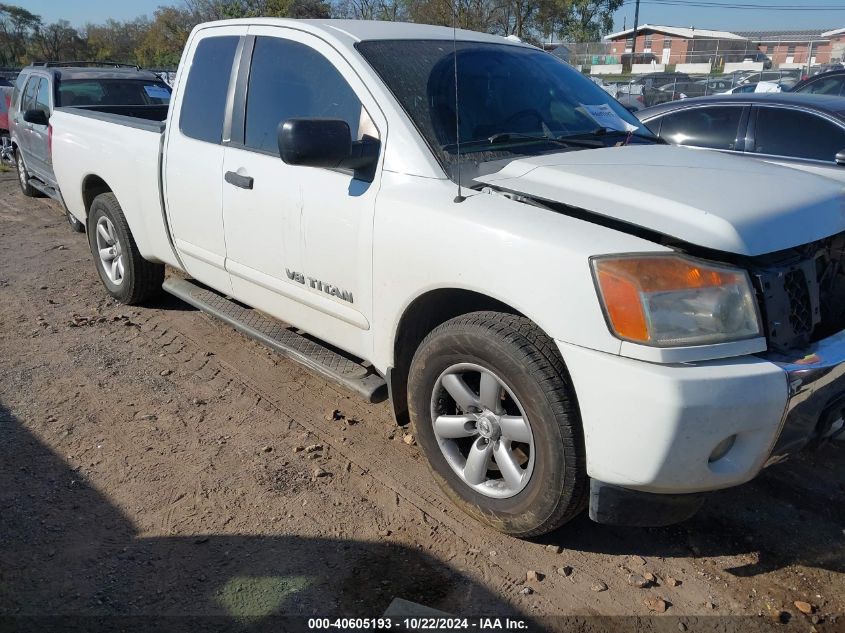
699,55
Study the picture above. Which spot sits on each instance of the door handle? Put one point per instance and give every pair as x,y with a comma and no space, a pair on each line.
234,178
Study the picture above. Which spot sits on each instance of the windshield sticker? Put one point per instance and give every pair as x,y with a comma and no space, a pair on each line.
157,92
605,116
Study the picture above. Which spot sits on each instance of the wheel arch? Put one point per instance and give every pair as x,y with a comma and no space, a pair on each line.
93,186
421,316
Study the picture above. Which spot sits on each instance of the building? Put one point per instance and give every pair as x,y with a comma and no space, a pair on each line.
799,47
680,45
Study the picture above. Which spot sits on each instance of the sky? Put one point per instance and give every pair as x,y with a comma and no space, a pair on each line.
680,13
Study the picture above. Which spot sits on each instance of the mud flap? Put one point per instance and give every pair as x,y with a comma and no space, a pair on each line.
614,505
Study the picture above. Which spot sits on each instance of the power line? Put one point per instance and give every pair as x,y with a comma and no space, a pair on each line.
719,5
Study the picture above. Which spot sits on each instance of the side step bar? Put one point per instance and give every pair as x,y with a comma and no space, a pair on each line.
46,189
284,339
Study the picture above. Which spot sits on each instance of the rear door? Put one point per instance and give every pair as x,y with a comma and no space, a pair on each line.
193,155
40,163
719,127
803,139
22,128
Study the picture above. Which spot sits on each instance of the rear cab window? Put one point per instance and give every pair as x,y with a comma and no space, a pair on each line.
95,92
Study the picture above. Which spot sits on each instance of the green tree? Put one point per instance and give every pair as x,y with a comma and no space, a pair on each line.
115,41
17,26
161,44
58,41
579,20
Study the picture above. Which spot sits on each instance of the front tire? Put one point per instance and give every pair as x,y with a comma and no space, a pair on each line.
497,418
127,276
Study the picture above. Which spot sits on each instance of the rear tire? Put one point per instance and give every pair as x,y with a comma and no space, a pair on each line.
549,485
23,178
127,276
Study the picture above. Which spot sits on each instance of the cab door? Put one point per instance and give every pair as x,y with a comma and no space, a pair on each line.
193,154
298,239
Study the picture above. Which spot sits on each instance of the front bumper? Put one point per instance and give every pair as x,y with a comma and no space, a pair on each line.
816,383
663,428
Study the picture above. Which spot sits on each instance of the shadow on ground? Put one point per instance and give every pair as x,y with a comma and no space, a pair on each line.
791,514
65,550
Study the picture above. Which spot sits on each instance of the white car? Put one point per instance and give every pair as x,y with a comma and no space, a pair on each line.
760,86
568,311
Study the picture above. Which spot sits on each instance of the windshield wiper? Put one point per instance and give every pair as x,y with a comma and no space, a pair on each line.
604,131
506,137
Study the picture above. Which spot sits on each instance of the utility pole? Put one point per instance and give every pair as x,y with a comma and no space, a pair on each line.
809,58
636,24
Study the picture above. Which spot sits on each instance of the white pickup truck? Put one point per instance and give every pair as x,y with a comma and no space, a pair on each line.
592,319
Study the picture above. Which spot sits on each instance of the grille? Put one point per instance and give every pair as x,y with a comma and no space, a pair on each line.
802,292
800,306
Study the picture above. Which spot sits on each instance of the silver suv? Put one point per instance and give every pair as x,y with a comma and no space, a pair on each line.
44,86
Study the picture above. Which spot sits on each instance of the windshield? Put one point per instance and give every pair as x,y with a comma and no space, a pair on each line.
512,96
112,92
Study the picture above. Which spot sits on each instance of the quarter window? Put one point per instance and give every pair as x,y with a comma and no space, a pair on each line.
784,132
204,101
715,128
288,79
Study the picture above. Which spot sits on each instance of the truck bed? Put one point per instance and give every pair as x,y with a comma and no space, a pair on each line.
150,118
120,152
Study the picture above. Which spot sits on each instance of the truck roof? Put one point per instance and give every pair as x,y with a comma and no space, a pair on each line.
353,31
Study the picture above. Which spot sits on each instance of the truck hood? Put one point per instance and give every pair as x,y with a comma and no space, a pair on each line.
718,201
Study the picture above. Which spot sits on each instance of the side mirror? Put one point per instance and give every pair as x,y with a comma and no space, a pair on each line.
840,158
37,117
314,142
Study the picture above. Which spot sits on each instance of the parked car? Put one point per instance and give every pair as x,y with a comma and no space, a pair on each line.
684,90
570,312
644,90
715,86
802,131
771,75
831,83
825,68
6,152
760,86
43,87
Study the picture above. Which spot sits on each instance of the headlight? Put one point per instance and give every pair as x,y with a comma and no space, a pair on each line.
670,300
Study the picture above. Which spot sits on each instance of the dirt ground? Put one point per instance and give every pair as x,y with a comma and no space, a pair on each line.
155,462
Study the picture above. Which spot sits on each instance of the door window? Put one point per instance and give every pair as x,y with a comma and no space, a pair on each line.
28,101
288,79
42,97
715,128
784,132
204,101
